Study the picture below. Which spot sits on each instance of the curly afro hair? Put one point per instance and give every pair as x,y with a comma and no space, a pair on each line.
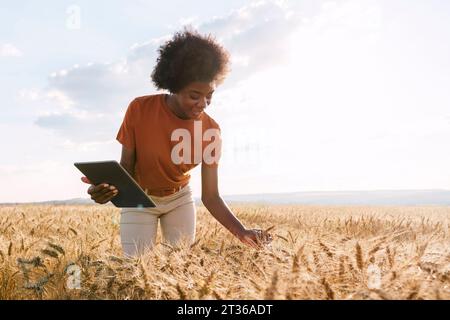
190,57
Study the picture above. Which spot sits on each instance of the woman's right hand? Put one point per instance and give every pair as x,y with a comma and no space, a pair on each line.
101,193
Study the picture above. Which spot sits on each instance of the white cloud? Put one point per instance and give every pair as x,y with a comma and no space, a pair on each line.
50,95
32,94
79,126
189,20
256,35
9,50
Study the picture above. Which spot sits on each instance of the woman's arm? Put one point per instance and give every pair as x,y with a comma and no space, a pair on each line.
128,160
219,210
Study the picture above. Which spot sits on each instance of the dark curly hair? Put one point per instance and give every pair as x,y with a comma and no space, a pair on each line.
189,57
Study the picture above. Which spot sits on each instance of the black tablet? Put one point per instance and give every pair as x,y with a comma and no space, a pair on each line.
111,172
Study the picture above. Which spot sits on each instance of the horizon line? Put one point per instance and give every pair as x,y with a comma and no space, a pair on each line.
255,194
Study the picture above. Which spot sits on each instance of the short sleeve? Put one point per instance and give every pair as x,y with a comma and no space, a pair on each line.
126,134
212,150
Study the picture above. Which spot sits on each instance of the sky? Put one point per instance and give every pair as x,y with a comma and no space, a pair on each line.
322,95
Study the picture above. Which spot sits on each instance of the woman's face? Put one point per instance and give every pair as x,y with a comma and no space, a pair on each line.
194,98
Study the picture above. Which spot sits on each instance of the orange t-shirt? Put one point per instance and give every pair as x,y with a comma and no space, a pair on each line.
150,127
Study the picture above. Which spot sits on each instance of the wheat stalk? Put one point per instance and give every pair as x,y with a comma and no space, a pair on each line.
10,249
181,292
341,267
329,292
217,295
326,249
414,293
359,257
144,274
205,289
272,290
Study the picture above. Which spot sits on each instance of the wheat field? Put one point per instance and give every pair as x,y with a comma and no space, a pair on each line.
318,252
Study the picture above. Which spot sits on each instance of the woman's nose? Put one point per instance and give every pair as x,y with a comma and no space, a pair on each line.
203,103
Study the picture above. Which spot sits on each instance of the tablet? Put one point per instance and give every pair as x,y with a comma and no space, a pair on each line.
111,172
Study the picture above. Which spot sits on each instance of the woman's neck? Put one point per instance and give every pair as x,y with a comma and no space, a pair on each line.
173,106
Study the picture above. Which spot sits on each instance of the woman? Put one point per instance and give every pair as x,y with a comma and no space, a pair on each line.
189,66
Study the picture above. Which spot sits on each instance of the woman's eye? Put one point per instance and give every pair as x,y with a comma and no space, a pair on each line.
198,98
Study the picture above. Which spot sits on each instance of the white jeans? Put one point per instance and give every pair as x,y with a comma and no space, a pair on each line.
176,213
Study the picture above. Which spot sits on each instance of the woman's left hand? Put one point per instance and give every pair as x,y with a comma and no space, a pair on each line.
255,238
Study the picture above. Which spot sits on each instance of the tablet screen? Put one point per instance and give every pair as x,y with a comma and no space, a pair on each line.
111,172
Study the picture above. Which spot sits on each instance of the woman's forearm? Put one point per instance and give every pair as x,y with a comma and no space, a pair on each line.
219,210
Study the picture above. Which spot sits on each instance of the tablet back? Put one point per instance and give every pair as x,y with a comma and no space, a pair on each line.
111,172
